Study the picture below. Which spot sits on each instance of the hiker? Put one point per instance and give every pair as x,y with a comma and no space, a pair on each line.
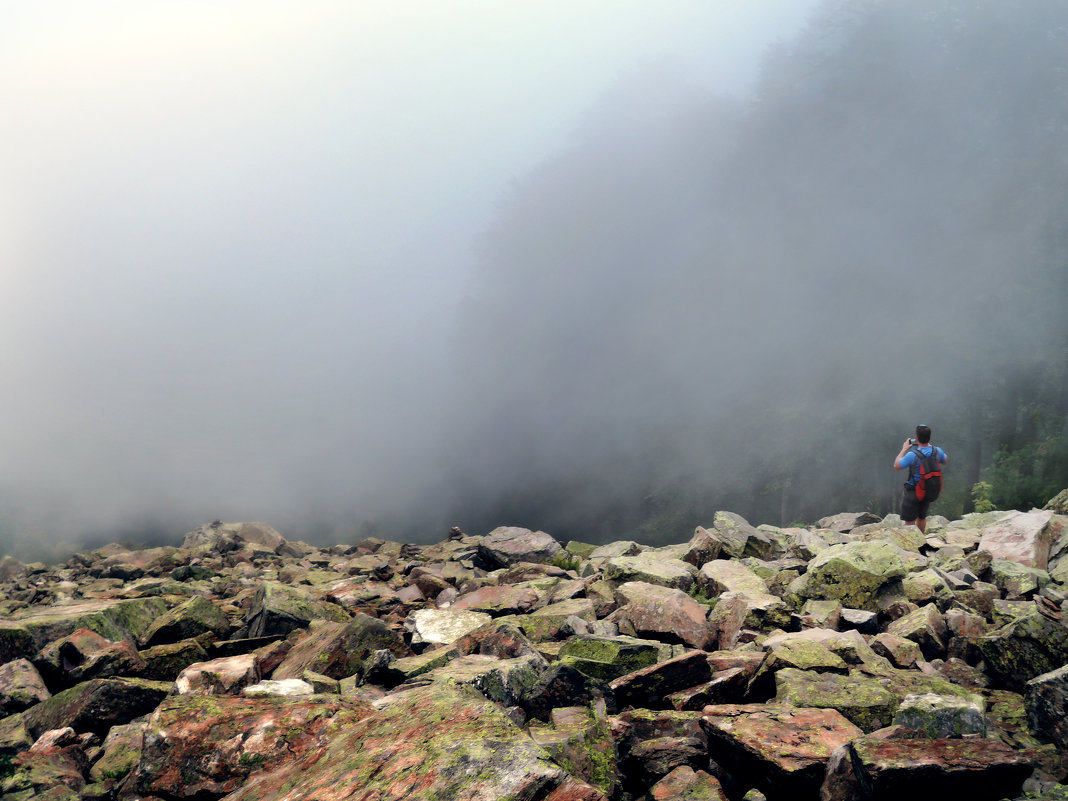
920,458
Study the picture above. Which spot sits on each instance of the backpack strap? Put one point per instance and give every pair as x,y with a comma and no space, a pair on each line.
914,469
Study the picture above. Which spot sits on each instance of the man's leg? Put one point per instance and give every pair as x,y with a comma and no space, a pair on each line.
910,508
921,524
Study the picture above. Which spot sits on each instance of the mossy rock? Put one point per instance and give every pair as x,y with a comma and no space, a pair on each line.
190,619
97,705
852,573
939,716
864,700
16,642
1016,579
608,658
583,746
440,741
114,620
1025,647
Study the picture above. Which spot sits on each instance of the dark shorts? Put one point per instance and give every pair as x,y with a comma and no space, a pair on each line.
912,509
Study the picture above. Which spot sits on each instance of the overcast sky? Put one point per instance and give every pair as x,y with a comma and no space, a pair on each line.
233,235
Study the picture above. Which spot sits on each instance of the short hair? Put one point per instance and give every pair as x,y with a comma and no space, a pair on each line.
923,434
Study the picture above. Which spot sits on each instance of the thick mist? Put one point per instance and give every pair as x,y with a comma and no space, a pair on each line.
749,306
597,269
236,242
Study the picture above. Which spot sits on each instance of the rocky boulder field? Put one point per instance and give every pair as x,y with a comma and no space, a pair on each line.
854,659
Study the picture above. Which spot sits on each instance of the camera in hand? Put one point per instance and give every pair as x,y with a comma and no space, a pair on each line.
912,440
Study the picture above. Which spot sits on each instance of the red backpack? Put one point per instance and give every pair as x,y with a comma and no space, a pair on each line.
929,484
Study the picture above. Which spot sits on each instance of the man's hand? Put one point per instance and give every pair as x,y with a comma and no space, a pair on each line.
904,449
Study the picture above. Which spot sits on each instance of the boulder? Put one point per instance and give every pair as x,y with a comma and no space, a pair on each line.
499,638
651,760
204,747
562,686
120,753
504,681
864,700
96,705
219,536
21,686
547,622
926,627
1027,646
1047,706
112,619
339,650
14,736
578,740
782,751
927,586
16,642
724,575
607,658
190,619
279,609
651,569
941,716
507,545
227,675
689,785
499,599
662,613
902,653
740,539
933,770
165,662
1021,537
436,741
55,774
650,686
430,627
1015,579
702,548
853,573
845,522
725,687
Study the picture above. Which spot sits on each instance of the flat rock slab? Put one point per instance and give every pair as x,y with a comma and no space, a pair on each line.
206,746
440,741
783,751
864,700
508,545
930,770
651,569
650,686
443,626
1022,537
115,620
505,681
608,658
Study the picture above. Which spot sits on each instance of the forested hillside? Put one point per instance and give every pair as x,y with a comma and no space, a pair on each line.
709,303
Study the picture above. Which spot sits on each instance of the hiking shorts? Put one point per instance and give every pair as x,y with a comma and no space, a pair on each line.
911,508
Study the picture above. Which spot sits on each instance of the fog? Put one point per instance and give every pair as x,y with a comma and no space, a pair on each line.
597,267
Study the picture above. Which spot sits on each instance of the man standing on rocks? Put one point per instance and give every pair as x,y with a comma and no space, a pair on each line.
913,510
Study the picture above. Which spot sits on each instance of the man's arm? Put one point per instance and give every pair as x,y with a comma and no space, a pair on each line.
904,452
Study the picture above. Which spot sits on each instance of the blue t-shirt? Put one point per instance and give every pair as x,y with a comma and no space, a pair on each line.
909,460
